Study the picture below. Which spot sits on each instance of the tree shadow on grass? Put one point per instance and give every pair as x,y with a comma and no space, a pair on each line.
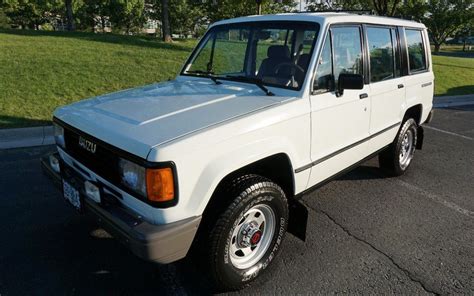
141,41
460,90
456,54
18,122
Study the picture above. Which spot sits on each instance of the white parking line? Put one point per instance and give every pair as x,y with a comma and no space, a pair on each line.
447,132
437,199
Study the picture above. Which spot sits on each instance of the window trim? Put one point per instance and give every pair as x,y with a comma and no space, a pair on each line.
397,50
327,36
394,51
316,26
323,44
401,46
423,44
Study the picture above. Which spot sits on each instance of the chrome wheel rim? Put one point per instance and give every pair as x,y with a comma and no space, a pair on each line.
406,149
252,236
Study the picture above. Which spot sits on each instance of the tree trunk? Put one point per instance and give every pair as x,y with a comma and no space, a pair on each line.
102,20
437,46
165,21
69,16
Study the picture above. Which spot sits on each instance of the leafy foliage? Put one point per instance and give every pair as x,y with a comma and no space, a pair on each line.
127,14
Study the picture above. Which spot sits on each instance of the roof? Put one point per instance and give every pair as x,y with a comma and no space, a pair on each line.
325,17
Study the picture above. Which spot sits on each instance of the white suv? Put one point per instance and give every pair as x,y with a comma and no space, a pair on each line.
264,109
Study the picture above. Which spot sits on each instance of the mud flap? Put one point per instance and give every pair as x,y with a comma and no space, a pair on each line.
298,219
420,136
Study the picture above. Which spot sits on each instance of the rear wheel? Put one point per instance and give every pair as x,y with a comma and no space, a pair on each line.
398,156
248,234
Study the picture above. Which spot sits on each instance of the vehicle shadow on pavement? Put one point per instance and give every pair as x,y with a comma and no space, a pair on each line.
103,266
364,172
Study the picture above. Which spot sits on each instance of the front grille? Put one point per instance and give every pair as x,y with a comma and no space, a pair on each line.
103,162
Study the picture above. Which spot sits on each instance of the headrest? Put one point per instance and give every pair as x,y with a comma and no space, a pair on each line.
278,51
303,60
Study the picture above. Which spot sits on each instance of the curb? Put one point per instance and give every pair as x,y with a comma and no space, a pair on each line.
26,137
453,101
44,135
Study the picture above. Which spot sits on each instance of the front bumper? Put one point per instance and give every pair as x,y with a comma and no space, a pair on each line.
157,243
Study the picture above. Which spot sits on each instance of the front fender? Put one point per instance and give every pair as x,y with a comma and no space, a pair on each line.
225,164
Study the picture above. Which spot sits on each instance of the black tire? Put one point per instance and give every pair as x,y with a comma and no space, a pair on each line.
390,159
247,193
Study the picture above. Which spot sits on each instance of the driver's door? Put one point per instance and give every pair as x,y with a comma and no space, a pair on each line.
339,124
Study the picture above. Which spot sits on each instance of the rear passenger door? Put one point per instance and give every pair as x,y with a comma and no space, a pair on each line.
387,86
339,124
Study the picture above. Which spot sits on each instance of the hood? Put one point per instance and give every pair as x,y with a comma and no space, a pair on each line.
138,119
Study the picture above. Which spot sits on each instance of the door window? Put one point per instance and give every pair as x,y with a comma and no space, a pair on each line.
341,54
323,81
381,54
416,51
347,51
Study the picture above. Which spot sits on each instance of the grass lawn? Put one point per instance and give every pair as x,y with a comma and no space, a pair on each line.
454,71
43,70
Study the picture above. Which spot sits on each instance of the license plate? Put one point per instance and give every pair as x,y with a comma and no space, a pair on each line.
72,195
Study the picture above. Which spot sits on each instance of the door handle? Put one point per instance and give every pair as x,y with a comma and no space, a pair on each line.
401,86
426,84
363,96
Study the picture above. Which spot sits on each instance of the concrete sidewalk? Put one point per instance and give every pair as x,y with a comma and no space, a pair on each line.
44,135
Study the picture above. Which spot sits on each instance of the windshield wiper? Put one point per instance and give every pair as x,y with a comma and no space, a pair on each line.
257,81
205,74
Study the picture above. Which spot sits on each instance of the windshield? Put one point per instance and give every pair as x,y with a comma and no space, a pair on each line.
269,53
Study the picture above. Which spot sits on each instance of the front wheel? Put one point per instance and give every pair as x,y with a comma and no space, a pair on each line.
247,236
398,156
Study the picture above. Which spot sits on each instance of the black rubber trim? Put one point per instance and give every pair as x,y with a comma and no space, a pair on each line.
335,176
430,117
305,167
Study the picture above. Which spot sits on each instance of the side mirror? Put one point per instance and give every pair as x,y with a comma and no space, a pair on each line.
349,81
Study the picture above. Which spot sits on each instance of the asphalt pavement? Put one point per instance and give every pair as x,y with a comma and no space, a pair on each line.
367,233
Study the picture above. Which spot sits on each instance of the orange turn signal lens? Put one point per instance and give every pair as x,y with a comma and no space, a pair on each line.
159,184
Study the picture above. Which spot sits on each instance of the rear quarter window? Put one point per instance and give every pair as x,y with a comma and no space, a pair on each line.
416,50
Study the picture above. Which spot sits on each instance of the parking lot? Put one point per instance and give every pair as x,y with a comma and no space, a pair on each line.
367,233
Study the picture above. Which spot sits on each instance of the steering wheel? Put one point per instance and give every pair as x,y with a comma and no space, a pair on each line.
294,67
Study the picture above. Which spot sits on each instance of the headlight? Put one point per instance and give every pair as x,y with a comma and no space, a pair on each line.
156,184
59,135
133,176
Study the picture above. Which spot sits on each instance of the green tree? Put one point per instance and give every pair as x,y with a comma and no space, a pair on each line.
386,7
4,20
445,18
94,12
465,32
224,9
380,7
127,14
30,13
414,10
185,16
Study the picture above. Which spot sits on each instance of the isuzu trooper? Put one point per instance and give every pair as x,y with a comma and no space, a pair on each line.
264,109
